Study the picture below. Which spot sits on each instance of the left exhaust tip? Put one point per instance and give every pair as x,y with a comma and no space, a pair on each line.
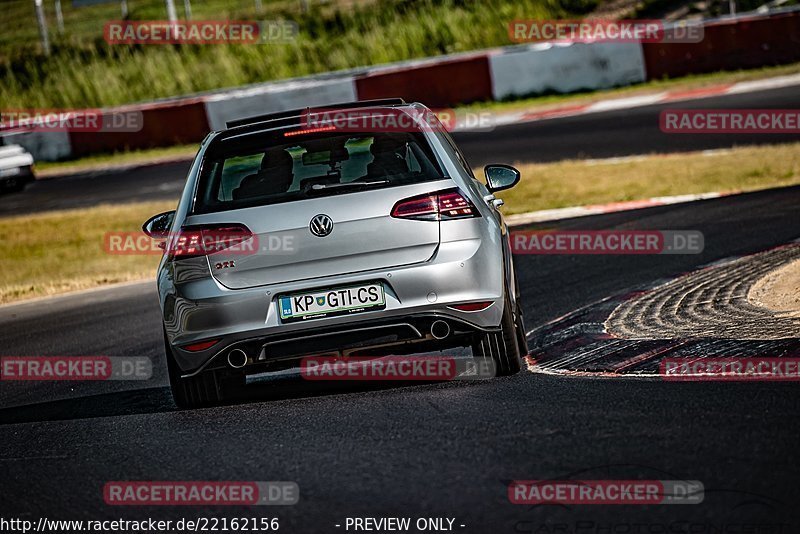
237,358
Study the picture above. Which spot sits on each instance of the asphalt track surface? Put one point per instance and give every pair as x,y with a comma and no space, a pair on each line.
597,135
437,450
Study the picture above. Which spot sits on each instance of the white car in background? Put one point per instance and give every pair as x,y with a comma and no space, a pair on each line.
16,168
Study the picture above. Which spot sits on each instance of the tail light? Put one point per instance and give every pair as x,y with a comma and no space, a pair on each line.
439,206
193,241
202,345
472,306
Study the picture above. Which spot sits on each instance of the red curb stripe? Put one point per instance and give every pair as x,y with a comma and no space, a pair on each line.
533,115
698,93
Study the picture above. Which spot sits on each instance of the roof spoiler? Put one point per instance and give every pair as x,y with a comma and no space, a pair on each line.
297,112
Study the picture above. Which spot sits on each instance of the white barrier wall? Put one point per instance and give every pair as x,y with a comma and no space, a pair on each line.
563,68
270,98
43,146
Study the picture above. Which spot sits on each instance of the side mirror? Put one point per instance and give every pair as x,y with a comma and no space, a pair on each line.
500,177
158,226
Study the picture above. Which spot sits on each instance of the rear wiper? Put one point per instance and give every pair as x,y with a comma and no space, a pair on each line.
323,187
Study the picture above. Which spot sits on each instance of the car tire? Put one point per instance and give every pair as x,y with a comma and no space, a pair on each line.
502,346
194,392
14,185
519,324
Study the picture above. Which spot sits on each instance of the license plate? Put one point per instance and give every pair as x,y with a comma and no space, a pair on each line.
331,302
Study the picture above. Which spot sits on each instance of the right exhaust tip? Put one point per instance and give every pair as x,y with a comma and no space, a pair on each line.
237,358
440,329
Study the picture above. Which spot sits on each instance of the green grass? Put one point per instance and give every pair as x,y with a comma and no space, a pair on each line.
652,9
84,71
63,251
580,182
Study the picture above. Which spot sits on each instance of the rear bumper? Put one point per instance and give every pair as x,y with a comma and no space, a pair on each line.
462,271
391,336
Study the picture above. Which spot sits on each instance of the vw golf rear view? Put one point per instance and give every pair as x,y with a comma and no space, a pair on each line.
291,239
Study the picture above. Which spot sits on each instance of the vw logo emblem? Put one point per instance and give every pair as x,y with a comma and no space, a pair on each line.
321,225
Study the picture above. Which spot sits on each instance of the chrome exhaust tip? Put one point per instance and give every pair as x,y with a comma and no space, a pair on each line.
440,329
237,358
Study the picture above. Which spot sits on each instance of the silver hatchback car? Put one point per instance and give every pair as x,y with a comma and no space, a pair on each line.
293,238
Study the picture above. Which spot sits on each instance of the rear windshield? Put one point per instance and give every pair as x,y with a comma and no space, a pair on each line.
270,168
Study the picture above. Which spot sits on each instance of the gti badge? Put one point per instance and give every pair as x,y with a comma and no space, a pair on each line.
321,225
224,264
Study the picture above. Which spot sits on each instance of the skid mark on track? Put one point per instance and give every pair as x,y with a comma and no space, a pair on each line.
709,303
700,314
